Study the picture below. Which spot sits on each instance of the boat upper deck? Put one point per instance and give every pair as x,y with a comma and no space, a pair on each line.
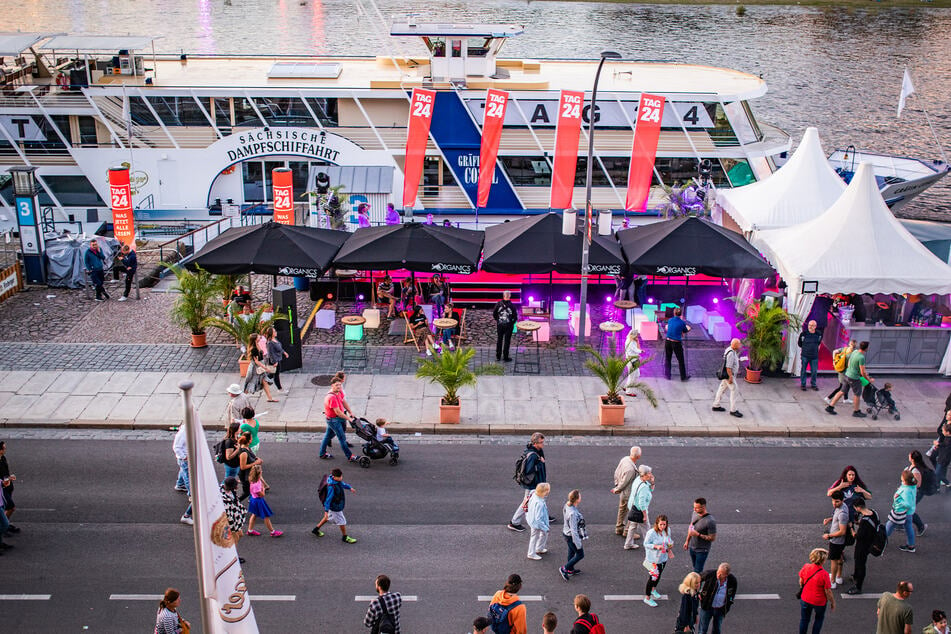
228,73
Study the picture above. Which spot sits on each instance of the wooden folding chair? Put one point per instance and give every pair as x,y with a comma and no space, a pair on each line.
461,333
408,333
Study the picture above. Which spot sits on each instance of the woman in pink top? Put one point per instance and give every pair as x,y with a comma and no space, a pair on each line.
257,507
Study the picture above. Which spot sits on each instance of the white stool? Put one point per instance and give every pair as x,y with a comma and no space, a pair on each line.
722,331
543,333
325,319
707,317
648,330
372,315
713,321
631,314
575,318
696,313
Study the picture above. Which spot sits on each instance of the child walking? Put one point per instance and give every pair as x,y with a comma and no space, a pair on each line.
538,521
257,507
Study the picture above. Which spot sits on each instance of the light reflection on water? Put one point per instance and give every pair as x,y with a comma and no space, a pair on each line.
837,68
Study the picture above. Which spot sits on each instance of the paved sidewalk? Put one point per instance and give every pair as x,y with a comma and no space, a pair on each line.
498,405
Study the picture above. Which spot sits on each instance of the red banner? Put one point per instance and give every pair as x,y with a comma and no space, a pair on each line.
120,199
495,102
566,148
646,133
417,134
283,183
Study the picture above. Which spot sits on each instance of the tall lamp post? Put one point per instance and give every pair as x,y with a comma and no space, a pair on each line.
588,215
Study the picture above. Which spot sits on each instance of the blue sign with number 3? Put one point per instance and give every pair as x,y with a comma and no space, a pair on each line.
25,212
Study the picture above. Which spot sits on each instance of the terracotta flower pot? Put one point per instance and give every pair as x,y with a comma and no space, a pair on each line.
199,341
449,414
243,365
753,376
610,415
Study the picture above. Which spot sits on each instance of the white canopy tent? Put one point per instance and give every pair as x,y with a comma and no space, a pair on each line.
856,246
799,191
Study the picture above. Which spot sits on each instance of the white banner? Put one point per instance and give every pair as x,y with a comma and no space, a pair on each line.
543,113
222,580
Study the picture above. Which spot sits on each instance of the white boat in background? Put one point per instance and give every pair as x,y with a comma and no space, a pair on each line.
900,178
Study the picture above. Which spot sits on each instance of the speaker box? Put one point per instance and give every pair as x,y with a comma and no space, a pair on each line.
288,331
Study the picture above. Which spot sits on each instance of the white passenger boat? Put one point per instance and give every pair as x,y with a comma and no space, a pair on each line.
201,134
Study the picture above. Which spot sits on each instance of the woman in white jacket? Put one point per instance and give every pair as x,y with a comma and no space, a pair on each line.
658,549
538,521
632,348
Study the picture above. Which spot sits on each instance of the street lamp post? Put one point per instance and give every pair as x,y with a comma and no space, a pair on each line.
585,238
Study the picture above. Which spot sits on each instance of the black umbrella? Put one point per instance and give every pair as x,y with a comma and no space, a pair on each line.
535,244
271,249
688,246
412,246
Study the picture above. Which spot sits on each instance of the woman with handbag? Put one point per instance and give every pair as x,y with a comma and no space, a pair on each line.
815,591
658,550
641,494
246,460
168,620
258,370
275,354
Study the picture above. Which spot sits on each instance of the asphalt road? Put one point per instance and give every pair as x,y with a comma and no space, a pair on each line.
99,518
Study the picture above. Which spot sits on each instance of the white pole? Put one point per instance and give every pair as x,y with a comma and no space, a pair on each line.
195,486
944,156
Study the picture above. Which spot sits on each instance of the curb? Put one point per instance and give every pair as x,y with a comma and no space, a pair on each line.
435,429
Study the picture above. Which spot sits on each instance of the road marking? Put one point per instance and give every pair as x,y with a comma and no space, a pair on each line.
523,597
860,596
757,597
25,597
361,598
158,597
630,597
37,510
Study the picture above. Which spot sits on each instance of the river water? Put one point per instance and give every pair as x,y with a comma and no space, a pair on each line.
836,68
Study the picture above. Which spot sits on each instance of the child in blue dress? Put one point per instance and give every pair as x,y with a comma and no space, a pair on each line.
257,507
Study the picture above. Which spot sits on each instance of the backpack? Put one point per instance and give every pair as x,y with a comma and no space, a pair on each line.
521,476
323,488
593,628
386,624
499,616
840,359
929,481
880,541
219,449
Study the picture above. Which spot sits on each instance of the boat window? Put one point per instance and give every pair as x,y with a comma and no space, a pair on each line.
436,174
299,172
617,167
178,111
437,46
456,48
738,171
478,46
749,115
244,114
598,177
73,190
221,111
87,131
527,171
741,123
284,111
326,110
252,172
722,133
269,167
140,113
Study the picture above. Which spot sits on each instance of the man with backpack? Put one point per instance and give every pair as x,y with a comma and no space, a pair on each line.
332,494
869,539
529,473
728,374
383,615
506,611
505,316
586,623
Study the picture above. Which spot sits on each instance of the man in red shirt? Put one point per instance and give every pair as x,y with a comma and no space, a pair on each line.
337,418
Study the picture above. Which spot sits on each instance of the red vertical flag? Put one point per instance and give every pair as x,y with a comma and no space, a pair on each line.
282,180
646,133
120,199
417,134
495,102
566,148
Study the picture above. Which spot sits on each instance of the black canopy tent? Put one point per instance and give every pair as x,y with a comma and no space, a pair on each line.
270,248
691,246
413,246
535,244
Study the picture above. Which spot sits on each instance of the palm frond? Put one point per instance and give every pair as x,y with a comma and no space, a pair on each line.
451,371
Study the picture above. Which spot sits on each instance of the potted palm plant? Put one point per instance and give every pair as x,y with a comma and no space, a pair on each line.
242,327
452,371
610,369
195,302
763,330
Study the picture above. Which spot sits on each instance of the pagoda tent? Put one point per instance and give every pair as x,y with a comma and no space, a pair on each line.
798,192
856,246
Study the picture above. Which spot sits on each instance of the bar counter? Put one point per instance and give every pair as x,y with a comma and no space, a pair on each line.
893,349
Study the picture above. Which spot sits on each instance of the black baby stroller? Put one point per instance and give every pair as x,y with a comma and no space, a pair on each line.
373,449
878,401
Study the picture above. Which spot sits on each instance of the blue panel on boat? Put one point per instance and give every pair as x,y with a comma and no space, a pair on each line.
459,139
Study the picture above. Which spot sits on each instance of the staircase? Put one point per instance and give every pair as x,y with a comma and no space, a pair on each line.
142,137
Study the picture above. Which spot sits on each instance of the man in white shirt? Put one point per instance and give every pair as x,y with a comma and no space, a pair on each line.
731,361
180,447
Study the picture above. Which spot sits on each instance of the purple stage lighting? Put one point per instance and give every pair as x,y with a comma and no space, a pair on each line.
567,298
360,297
716,301
531,300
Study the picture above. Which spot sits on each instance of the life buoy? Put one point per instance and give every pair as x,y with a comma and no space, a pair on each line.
62,81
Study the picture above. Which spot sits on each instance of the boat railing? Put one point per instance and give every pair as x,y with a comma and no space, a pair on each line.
191,241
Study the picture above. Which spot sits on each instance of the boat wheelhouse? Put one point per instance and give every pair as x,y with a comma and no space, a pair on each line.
201,134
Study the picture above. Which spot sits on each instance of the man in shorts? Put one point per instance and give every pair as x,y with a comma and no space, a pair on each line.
854,373
838,524
334,504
